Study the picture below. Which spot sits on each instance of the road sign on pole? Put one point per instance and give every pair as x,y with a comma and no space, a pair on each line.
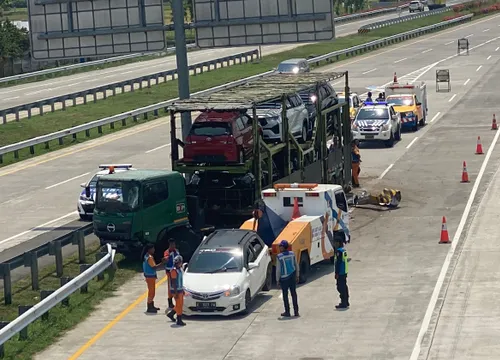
62,29
222,23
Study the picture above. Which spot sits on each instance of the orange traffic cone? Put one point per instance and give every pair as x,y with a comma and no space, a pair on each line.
494,125
479,147
445,238
395,78
296,212
465,175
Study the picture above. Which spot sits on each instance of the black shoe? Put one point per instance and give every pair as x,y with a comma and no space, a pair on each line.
179,321
341,306
171,315
153,305
286,314
170,303
151,309
296,314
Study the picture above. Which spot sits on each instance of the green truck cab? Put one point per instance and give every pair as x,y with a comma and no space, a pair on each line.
133,208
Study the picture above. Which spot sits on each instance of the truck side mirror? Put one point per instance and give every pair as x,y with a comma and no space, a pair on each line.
419,103
87,192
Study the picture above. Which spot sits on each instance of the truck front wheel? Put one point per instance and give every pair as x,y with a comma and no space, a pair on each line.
304,266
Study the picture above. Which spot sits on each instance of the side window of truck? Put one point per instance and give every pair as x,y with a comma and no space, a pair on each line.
155,193
288,201
341,201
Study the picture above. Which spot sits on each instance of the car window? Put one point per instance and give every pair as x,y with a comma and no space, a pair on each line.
250,255
211,129
215,260
295,100
239,124
247,120
155,193
257,246
341,201
373,113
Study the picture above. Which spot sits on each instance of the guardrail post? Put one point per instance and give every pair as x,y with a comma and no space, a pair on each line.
140,83
99,256
79,239
23,334
64,280
124,122
43,295
52,106
31,261
29,112
2,349
94,95
112,125
4,117
55,249
7,283
105,93
17,114
74,100
85,288
132,86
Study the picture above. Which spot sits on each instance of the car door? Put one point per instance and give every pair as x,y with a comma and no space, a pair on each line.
252,274
153,194
302,113
247,133
258,247
238,129
394,119
291,114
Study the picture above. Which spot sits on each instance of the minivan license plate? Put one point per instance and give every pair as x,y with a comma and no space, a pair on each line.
205,304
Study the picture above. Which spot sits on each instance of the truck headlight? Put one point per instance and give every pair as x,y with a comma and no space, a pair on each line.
232,291
385,127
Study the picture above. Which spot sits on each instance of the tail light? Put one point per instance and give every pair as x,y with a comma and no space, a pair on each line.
229,141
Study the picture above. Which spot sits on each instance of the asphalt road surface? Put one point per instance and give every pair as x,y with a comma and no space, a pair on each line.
396,258
28,93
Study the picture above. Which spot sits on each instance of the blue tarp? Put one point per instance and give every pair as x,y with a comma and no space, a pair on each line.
270,226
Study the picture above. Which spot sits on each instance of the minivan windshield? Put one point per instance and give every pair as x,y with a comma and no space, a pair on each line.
117,196
210,129
377,113
209,261
288,68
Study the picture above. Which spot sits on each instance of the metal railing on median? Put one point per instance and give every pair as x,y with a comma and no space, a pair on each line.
155,108
167,75
50,298
380,24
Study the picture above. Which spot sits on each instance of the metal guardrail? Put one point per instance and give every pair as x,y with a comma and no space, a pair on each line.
380,24
371,13
167,75
155,108
86,64
49,299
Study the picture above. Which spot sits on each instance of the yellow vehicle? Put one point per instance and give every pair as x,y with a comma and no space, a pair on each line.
354,103
309,216
410,101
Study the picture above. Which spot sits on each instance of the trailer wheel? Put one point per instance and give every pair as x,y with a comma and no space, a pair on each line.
304,266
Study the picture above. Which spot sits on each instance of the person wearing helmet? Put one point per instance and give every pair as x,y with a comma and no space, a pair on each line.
177,289
287,274
149,268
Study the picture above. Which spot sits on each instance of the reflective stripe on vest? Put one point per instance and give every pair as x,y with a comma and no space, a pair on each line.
169,264
287,264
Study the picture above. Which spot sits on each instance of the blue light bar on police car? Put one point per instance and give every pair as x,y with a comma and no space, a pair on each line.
116,166
375,103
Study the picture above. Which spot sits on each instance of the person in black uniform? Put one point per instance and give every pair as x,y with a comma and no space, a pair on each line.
341,269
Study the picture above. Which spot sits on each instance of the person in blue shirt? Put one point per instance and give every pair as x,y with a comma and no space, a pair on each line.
287,274
149,268
341,269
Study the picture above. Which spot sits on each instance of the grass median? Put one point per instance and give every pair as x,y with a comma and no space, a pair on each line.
43,333
14,132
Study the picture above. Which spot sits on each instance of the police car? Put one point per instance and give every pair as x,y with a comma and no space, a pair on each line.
86,204
377,121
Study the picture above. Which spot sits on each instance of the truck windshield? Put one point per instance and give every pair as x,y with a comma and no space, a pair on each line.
117,196
400,100
209,261
368,114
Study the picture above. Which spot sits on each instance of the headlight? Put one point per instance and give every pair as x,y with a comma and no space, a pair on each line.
232,291
385,127
295,70
313,98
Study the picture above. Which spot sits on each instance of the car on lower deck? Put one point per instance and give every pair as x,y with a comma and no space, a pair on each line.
226,272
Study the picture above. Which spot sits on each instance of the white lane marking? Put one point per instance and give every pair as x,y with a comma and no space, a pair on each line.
450,42
73,213
39,91
157,148
437,289
397,61
66,181
466,82
485,30
386,171
479,68
369,71
451,99
468,36
411,143
435,116
497,48
489,57
11,98
426,51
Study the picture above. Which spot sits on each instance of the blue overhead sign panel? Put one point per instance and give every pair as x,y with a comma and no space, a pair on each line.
221,23
61,29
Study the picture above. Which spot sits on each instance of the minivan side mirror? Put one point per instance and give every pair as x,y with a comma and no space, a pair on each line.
87,192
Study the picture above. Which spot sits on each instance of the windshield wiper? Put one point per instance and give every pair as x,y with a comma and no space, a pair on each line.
223,269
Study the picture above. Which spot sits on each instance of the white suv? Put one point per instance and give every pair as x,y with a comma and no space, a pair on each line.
226,272
377,122
269,115
416,6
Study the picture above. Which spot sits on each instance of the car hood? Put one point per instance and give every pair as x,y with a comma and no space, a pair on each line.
404,108
371,122
211,282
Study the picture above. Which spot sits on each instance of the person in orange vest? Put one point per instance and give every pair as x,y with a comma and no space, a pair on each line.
149,267
356,160
169,256
177,286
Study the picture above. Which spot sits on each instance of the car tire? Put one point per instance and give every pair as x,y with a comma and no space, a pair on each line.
303,136
248,301
415,127
398,134
241,156
85,217
423,121
304,266
269,278
390,143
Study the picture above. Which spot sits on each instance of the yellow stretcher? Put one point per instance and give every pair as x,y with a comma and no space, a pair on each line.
387,197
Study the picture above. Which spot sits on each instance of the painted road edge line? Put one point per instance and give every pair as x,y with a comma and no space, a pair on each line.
412,142
440,281
66,181
435,117
386,171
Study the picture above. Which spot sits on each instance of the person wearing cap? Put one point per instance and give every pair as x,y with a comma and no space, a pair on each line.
177,288
341,269
149,268
287,274
356,160
169,256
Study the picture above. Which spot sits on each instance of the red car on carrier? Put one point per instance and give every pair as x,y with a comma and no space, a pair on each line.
219,137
